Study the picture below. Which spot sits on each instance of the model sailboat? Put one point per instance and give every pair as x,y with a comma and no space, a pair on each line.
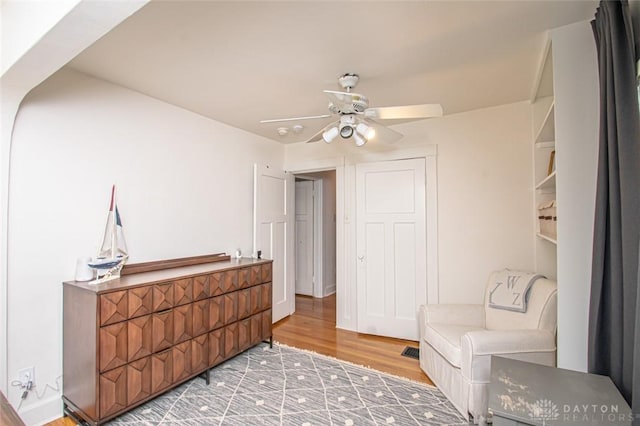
113,251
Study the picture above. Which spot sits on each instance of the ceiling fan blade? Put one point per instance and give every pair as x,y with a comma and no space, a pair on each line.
318,136
383,133
404,112
347,102
279,120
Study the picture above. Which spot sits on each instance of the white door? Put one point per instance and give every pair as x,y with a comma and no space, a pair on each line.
391,247
272,231
304,237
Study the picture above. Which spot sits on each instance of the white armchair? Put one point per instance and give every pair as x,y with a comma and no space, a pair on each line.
457,341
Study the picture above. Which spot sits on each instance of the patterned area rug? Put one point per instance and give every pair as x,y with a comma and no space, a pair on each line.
287,386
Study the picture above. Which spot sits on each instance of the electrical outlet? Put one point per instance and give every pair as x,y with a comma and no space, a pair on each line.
27,375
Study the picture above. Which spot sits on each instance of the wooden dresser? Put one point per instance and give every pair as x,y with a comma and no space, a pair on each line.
128,340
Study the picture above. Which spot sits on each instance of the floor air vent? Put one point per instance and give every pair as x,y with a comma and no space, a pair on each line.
411,352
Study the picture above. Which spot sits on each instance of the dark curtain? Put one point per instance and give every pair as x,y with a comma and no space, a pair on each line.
614,315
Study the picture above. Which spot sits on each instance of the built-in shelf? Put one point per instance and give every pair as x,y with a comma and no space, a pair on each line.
547,132
548,183
543,145
547,238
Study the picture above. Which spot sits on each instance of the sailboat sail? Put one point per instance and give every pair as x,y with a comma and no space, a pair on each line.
113,242
113,250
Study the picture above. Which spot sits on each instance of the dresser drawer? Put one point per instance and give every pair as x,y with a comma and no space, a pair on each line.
223,282
162,296
183,291
113,346
113,307
140,301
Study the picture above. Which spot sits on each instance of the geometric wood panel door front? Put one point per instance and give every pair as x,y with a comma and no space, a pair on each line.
216,347
200,317
231,340
243,278
266,324
162,296
113,307
113,391
265,273
230,307
256,329
140,301
181,361
222,282
266,296
162,330
255,276
216,312
201,287
138,380
183,291
243,303
140,332
199,353
244,334
256,299
113,346
182,323
161,370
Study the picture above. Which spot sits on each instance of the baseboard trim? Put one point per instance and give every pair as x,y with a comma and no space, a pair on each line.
329,290
42,412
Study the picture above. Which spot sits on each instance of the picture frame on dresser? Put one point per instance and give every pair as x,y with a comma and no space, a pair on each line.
129,340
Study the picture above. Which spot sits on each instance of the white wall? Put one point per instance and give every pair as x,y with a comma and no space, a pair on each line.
484,192
575,81
39,37
185,187
484,195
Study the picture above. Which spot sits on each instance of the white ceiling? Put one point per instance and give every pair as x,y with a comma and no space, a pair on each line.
241,62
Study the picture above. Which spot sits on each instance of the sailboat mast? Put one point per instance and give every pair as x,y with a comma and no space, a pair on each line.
114,234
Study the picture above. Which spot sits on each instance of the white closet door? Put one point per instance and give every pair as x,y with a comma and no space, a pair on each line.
304,237
391,247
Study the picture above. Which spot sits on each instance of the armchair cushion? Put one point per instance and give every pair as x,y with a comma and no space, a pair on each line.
497,342
527,345
446,340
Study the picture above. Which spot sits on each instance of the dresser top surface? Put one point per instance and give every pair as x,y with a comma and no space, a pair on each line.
143,278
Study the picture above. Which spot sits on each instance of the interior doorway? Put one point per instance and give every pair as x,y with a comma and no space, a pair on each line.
315,234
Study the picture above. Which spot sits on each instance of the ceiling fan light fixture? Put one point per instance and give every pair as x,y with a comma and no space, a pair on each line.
347,126
330,135
365,131
346,131
359,140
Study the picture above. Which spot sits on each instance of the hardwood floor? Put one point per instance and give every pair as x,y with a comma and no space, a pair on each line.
8,416
313,327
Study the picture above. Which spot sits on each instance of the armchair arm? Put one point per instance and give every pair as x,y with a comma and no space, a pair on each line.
471,315
477,347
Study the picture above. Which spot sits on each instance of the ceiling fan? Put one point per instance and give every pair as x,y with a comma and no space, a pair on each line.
359,121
